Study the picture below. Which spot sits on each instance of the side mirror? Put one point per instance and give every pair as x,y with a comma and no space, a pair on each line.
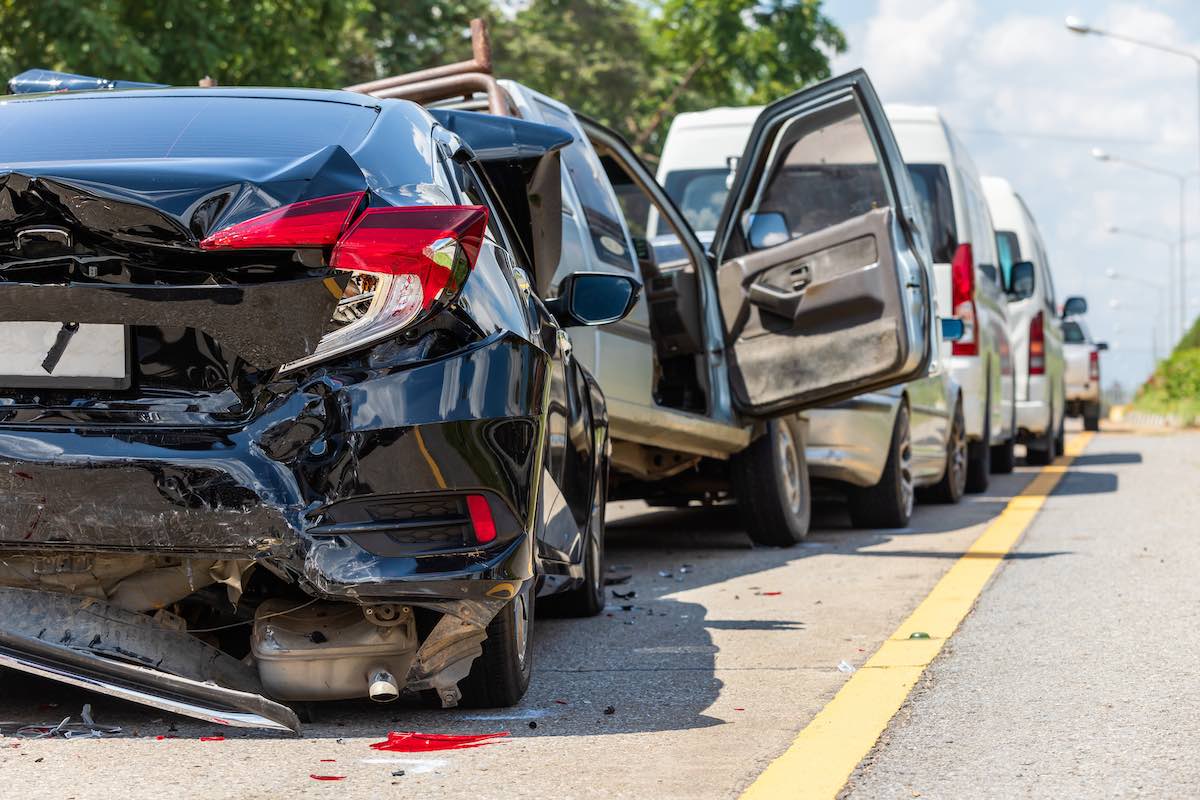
593,298
1022,279
1074,305
1101,346
953,329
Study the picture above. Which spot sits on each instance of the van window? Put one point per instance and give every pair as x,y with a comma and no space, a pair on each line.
825,171
933,190
599,207
700,195
1072,333
1008,249
983,237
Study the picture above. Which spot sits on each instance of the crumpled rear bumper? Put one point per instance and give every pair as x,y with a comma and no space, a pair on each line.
346,482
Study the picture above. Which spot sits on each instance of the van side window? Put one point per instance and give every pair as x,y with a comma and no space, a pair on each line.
1008,248
932,183
824,171
599,208
983,238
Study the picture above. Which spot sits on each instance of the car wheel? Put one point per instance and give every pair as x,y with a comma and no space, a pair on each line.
1091,417
953,484
1040,451
587,599
770,480
889,503
500,676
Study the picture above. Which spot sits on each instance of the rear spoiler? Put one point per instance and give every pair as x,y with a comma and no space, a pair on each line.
45,80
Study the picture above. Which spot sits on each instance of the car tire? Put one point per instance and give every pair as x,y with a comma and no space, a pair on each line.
770,481
953,484
1091,417
500,676
1060,438
587,599
889,503
979,461
1040,451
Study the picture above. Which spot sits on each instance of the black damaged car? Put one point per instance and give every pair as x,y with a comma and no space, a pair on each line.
280,417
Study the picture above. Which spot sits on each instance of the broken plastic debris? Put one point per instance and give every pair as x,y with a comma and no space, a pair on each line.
561,702
88,729
918,635
625,595
770,594
610,710
844,666
212,738
328,777
665,573
413,742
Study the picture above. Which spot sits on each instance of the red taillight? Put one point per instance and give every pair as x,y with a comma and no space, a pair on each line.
481,518
309,223
962,292
1037,345
1094,366
435,245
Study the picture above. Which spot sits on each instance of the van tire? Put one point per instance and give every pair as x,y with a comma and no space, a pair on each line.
770,481
979,461
889,503
1091,417
1040,451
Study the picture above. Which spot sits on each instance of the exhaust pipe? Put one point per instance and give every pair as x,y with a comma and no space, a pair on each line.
382,686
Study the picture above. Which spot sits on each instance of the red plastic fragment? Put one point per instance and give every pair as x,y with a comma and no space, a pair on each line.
328,760
739,709
212,738
328,777
561,702
771,594
413,742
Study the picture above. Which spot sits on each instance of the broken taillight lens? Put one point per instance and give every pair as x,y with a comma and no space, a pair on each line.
398,263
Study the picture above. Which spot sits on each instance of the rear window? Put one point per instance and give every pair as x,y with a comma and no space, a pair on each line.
107,128
933,188
1073,334
700,195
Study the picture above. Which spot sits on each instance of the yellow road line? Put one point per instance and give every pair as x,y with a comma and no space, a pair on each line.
826,752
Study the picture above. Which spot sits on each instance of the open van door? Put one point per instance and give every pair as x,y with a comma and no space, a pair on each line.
822,268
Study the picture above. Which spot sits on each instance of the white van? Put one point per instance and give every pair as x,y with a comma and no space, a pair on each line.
1034,326
969,283
878,448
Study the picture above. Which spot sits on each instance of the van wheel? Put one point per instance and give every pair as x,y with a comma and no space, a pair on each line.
770,480
979,461
1004,456
500,677
1060,439
1091,417
889,503
954,477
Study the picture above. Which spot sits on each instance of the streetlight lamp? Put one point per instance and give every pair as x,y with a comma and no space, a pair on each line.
1182,178
1112,274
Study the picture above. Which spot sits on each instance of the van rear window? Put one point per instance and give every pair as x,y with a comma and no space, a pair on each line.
933,187
1073,334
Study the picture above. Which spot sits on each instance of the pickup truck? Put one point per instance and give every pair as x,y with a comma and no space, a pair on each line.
796,303
1082,356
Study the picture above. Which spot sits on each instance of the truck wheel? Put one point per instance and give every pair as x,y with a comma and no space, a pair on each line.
770,480
1091,417
954,477
500,677
889,503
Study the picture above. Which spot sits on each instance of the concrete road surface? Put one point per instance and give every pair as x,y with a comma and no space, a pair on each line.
1074,676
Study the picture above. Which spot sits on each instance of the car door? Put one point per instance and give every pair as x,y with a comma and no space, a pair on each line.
822,269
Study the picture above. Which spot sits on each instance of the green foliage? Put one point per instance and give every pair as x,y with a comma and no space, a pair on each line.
633,64
1174,389
1191,339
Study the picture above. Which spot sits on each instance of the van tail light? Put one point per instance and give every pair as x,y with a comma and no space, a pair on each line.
393,264
1094,366
1037,345
482,520
962,292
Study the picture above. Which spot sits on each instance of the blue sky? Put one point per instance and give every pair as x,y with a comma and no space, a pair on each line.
1031,100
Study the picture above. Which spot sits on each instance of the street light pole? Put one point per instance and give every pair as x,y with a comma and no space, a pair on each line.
1076,25
1112,274
1170,322
1182,179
